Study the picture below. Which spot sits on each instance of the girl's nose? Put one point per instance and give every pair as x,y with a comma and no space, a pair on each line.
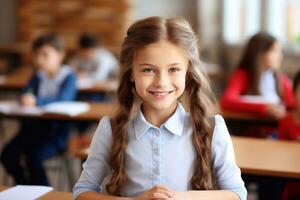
161,80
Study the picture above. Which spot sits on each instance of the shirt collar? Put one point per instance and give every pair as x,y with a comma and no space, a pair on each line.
174,124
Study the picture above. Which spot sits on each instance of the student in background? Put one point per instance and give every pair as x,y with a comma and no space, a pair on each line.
92,64
259,75
161,151
289,126
39,140
92,61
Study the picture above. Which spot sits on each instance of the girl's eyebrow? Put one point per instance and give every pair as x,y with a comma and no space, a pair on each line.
143,64
172,64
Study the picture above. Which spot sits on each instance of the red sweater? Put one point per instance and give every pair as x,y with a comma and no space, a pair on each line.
238,85
289,129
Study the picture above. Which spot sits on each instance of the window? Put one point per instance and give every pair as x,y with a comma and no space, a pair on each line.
243,18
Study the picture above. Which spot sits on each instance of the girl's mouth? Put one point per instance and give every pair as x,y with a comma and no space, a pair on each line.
161,93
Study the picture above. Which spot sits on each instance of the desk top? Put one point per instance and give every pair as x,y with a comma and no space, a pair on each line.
267,157
53,195
95,113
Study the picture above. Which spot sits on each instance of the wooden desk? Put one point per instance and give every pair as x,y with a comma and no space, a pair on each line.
258,157
18,80
53,195
95,113
267,157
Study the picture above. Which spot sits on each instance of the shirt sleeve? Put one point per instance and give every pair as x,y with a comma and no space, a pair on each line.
96,167
288,96
226,170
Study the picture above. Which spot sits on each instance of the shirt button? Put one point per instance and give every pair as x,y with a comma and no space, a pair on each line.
156,151
157,133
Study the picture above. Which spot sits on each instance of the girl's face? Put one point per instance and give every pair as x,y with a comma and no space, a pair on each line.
48,58
273,57
159,72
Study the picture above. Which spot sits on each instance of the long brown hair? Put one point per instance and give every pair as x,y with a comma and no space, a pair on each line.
257,45
197,98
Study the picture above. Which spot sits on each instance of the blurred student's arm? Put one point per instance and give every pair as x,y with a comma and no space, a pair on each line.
231,99
288,96
28,97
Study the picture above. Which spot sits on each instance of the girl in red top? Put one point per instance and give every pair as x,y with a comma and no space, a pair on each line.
258,74
289,126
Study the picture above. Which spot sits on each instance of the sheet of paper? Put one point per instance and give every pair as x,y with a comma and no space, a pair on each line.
24,192
12,107
258,99
85,83
71,108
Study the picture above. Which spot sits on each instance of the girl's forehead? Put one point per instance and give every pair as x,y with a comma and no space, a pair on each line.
162,52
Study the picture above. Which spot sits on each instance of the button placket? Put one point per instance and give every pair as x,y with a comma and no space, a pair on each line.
156,157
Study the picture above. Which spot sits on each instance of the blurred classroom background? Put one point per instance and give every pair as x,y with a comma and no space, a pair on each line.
223,28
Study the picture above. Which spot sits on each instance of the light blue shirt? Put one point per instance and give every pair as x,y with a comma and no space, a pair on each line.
162,155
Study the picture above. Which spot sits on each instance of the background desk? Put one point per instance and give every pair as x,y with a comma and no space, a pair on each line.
95,113
265,157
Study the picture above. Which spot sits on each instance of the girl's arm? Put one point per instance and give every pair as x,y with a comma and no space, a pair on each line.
288,96
158,192
96,167
231,99
226,171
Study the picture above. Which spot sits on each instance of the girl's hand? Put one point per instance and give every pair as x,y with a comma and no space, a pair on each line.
276,111
158,192
28,100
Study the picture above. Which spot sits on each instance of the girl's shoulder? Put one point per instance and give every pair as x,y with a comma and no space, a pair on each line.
219,127
103,133
105,122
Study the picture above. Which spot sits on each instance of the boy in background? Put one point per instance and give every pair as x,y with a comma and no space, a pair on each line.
39,140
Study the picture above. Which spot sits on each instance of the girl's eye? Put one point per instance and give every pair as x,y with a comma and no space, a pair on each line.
148,70
174,69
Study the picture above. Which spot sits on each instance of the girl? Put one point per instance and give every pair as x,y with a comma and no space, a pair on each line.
161,151
259,74
289,126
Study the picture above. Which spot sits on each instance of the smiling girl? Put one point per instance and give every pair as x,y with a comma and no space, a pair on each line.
161,151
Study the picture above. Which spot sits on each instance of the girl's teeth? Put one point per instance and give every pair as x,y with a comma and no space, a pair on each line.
160,93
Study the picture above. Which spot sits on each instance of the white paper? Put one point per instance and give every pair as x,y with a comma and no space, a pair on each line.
24,192
85,83
258,99
12,107
71,108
